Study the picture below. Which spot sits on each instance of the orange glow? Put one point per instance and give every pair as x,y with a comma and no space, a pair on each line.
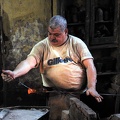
30,91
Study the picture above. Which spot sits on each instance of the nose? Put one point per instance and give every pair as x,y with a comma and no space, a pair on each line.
52,36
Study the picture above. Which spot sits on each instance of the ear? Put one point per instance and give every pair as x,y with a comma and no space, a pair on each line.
66,31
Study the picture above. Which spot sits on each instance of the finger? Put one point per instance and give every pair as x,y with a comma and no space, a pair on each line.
10,76
3,74
101,97
87,93
4,71
98,99
4,77
8,79
98,96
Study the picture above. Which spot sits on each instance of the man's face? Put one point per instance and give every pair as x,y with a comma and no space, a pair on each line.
56,37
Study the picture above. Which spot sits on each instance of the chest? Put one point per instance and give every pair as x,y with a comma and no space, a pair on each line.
60,55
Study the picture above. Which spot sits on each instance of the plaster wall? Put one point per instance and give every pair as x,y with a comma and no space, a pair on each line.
24,23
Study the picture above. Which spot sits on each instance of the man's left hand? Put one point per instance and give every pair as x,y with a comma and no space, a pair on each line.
91,91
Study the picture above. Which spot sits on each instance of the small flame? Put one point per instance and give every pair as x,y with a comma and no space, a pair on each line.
30,91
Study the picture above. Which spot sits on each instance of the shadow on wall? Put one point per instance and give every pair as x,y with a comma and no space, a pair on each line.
5,45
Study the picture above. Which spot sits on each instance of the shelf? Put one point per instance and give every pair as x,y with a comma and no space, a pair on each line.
102,40
75,24
106,73
103,46
96,22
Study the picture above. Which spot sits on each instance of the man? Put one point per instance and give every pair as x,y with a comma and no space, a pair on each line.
64,62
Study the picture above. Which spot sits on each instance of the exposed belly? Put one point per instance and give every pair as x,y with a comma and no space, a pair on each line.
66,76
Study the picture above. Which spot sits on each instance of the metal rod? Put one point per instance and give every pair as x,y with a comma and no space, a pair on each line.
24,85
53,91
102,94
109,94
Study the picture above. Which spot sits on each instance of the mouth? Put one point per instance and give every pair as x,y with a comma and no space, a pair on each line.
54,41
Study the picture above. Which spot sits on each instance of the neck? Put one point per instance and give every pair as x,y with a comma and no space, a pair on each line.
65,40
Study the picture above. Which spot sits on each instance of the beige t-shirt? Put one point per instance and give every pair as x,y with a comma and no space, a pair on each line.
62,66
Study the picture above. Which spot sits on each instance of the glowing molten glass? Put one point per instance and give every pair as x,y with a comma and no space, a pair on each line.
30,91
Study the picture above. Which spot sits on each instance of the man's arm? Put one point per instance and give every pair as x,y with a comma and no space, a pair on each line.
21,69
91,79
91,73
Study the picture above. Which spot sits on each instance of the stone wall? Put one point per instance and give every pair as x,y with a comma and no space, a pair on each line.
78,111
24,23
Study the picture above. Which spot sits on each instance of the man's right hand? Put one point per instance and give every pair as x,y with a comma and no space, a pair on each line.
8,75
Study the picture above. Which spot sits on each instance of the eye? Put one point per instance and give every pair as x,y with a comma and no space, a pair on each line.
56,35
49,33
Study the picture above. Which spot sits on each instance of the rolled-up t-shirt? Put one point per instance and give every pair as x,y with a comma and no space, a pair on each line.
62,66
